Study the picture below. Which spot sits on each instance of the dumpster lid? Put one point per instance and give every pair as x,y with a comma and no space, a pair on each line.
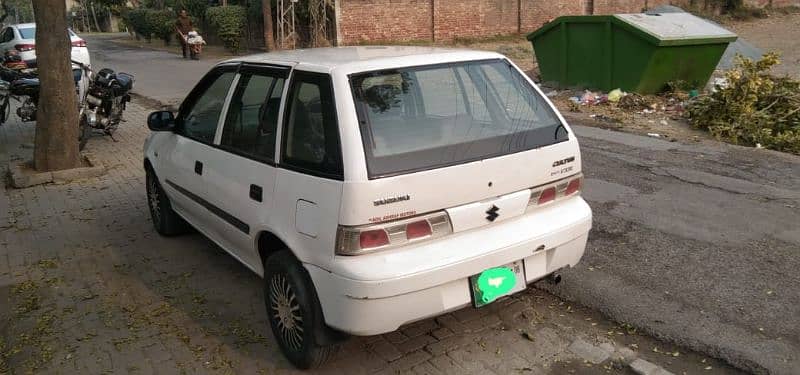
671,29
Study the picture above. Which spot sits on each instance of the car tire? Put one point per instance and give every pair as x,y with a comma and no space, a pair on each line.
166,221
294,312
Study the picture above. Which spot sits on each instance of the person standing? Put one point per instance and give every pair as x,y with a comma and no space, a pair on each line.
183,25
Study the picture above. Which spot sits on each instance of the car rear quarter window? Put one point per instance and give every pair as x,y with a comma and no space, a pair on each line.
8,35
311,132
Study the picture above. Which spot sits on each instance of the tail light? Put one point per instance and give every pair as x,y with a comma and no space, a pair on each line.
366,239
79,43
552,192
25,47
547,195
574,186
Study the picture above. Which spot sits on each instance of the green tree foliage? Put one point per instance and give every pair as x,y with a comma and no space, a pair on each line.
754,108
21,8
229,21
149,23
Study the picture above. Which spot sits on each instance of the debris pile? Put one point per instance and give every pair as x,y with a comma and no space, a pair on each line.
753,108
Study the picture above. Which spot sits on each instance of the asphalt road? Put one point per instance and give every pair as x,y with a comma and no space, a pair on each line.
697,244
162,76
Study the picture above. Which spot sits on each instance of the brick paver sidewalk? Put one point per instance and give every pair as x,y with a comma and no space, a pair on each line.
87,286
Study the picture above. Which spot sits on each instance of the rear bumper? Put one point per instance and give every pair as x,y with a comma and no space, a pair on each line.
362,305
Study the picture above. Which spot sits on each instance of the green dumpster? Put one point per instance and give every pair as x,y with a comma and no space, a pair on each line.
635,52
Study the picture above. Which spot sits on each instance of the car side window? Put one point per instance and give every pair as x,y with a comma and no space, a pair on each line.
8,35
311,132
199,119
252,119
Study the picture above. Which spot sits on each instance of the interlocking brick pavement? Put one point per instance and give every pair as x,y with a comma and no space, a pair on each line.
87,286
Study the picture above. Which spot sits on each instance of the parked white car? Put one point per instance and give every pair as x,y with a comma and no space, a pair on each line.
371,187
22,37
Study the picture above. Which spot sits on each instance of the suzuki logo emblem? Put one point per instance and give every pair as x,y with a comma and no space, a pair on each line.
491,214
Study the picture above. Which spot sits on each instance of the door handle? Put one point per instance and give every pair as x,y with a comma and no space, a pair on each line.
256,193
198,168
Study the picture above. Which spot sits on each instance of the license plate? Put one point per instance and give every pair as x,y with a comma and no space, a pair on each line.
487,286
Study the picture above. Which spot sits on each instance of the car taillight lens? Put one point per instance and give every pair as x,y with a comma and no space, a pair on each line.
418,229
366,239
79,43
574,186
552,192
25,47
373,238
547,195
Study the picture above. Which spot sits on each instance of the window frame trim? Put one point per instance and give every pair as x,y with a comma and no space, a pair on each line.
286,108
265,70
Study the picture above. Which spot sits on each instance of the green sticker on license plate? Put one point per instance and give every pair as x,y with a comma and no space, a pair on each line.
494,283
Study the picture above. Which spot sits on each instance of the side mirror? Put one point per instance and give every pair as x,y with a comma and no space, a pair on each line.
161,121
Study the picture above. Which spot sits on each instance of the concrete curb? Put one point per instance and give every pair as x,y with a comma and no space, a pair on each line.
23,175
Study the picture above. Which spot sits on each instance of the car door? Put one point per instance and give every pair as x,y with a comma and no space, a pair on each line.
240,172
183,156
310,175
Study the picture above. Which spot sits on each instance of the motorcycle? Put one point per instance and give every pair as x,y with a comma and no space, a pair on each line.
102,97
21,83
105,100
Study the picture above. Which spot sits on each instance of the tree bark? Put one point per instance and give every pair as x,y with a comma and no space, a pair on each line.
94,16
56,142
269,37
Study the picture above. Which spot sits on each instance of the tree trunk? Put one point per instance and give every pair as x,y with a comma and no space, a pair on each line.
56,142
94,16
269,37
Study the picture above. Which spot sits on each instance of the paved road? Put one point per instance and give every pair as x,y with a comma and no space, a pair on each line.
88,287
162,76
698,244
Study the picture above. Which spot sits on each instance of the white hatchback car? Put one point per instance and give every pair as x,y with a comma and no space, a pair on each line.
371,186
22,38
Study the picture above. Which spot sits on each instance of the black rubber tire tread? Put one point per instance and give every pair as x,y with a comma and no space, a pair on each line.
171,224
313,355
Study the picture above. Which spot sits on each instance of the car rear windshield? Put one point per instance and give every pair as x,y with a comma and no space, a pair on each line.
427,117
27,33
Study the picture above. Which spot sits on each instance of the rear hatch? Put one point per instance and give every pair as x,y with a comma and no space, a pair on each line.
472,139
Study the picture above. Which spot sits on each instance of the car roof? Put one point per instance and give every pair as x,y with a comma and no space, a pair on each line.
23,25
362,58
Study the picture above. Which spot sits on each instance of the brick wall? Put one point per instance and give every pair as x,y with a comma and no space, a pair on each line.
380,20
360,21
773,3
535,13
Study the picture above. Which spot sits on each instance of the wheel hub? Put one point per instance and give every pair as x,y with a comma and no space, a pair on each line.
154,199
286,312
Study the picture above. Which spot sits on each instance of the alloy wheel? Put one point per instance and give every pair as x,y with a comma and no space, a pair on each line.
154,199
285,311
